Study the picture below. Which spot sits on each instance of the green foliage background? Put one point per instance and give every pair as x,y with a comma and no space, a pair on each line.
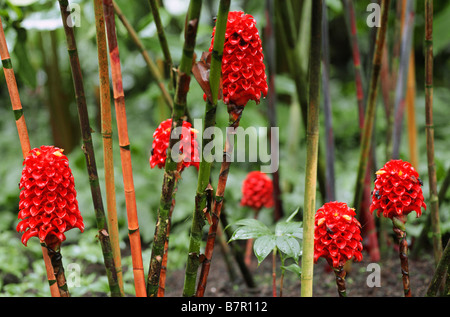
28,26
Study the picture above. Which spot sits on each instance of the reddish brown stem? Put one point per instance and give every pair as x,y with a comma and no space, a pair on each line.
400,233
125,151
217,207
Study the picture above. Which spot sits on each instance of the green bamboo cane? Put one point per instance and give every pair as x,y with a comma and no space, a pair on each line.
88,149
152,67
441,273
371,104
106,124
429,130
312,149
162,38
170,172
293,54
206,162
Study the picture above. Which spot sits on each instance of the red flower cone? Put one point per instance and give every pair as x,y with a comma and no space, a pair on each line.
48,206
337,234
257,191
397,190
337,238
243,70
161,139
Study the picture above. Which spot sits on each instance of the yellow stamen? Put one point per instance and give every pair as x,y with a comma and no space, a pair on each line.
347,217
58,153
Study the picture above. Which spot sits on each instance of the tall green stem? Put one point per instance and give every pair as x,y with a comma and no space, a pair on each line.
293,57
439,276
312,149
88,149
371,104
162,36
171,173
206,162
429,129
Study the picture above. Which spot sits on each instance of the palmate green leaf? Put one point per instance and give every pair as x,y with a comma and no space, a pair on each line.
250,229
263,246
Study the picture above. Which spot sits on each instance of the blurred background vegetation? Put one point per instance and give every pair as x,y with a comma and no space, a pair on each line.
39,55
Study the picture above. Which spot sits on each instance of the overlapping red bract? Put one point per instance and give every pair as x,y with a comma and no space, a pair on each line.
257,191
48,205
161,139
337,234
243,70
397,190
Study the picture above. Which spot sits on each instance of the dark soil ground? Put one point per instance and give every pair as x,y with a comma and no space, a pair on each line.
220,285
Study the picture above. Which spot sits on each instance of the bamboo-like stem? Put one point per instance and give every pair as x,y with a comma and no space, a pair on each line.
106,126
205,163
53,245
162,38
423,237
312,149
152,67
369,117
440,273
400,232
23,135
292,51
125,150
171,174
429,130
88,149
340,274
162,276
329,135
219,197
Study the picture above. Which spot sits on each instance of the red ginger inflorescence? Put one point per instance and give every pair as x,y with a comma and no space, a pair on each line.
337,234
243,70
397,190
257,191
161,139
48,206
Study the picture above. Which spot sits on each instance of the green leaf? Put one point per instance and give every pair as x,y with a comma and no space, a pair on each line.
295,268
289,228
250,229
263,246
289,246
